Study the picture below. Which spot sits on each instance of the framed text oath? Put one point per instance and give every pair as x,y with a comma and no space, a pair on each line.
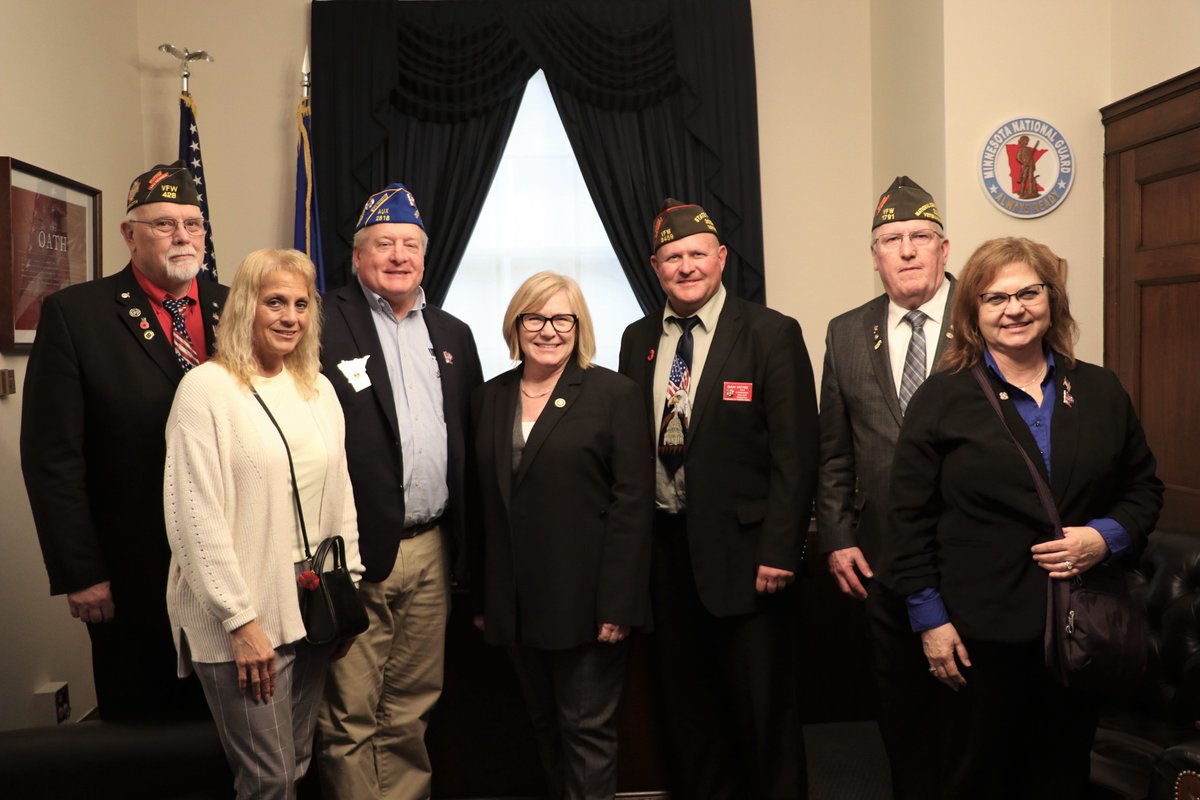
49,239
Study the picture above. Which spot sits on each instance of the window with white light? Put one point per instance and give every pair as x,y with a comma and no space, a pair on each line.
539,216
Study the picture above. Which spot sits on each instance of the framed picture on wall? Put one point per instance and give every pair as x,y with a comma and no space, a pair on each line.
49,239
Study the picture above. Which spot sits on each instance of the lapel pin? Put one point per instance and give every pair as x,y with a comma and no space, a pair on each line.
144,324
1004,395
949,334
216,317
559,402
124,295
651,356
149,335
1068,398
875,336
878,344
135,312
448,357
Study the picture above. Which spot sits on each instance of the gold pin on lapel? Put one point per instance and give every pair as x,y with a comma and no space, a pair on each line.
149,335
135,312
124,295
559,402
1004,395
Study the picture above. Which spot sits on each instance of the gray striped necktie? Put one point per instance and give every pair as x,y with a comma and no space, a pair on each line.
914,361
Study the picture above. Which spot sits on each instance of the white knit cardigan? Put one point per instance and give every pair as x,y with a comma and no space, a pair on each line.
227,496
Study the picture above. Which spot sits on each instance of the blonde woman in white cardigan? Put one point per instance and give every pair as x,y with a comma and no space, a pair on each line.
236,542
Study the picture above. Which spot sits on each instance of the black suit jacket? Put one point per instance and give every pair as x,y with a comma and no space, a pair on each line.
750,466
97,396
373,434
860,422
964,510
567,538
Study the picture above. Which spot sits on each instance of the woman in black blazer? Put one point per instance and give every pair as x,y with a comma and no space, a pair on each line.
566,478
974,548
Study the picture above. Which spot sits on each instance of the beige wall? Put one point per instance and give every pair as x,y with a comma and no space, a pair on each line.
836,122
70,104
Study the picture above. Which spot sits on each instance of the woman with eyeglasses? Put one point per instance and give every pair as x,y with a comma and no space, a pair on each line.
566,476
973,547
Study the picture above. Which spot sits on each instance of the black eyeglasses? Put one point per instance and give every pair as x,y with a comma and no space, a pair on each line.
1030,295
563,323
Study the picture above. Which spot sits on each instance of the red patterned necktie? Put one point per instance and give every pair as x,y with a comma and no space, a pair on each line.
184,351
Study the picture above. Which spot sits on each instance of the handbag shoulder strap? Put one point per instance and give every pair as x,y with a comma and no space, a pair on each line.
292,469
1039,483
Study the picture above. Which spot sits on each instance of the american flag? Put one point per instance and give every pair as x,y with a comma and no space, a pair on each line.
680,377
308,228
189,154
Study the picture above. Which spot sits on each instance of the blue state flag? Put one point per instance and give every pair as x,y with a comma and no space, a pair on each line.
308,227
189,154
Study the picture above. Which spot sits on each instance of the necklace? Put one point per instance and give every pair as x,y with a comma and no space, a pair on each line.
1041,373
535,396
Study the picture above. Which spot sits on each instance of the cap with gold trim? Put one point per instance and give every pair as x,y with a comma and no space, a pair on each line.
163,183
393,204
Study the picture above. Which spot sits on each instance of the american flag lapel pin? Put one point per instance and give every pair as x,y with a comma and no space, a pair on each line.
448,357
1068,398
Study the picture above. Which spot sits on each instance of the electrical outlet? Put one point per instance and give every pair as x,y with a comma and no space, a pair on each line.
53,702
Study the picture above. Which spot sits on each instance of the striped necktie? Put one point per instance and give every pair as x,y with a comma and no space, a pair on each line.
184,351
914,361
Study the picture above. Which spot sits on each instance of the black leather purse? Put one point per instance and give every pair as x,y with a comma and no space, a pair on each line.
1095,638
329,603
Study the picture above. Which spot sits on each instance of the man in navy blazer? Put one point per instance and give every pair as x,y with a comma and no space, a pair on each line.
404,372
729,387
101,378
865,354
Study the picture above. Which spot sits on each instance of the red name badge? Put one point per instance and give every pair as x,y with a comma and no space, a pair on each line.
738,392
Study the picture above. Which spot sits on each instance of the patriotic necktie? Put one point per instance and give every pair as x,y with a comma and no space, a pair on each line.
914,360
184,351
672,435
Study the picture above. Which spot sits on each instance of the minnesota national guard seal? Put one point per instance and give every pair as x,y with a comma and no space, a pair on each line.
1027,167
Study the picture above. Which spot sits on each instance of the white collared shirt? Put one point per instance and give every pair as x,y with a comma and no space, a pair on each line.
900,332
670,494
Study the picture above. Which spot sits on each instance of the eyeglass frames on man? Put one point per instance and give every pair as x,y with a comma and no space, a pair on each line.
1030,295
919,239
563,323
165,226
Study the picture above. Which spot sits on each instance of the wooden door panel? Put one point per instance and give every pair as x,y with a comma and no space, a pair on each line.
1152,277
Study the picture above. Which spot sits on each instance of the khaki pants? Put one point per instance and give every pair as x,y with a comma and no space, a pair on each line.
371,741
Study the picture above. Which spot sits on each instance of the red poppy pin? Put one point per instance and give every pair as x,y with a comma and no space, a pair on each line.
651,356
308,580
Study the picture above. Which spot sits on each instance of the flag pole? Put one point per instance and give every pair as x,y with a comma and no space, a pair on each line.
189,147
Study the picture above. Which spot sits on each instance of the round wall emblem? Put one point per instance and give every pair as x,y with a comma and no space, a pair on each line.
1027,167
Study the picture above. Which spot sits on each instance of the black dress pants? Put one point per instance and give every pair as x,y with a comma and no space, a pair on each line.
907,693
135,666
728,686
572,696
1012,731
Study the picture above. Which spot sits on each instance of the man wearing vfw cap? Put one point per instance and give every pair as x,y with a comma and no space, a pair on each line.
403,371
101,377
872,367
730,392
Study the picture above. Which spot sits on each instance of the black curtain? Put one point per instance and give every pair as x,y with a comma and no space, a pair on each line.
657,97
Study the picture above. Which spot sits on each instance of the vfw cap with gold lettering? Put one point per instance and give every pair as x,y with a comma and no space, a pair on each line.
678,220
164,183
393,204
905,200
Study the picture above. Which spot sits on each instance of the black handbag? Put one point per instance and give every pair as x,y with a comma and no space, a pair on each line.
329,603
1095,638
